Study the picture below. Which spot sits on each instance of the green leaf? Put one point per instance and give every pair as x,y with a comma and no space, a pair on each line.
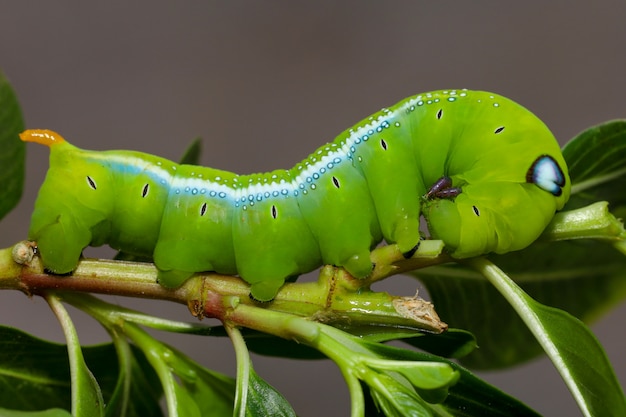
574,350
263,400
53,412
13,149
596,159
192,153
395,377
454,343
584,278
35,375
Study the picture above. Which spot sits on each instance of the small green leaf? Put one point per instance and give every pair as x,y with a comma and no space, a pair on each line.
468,397
395,399
263,400
429,375
190,390
192,153
431,380
137,390
13,151
212,392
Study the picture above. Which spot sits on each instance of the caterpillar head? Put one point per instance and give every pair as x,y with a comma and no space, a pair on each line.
499,216
64,220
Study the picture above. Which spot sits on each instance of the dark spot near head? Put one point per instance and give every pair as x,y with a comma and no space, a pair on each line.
498,130
383,144
336,181
91,182
439,114
274,211
203,209
476,211
145,190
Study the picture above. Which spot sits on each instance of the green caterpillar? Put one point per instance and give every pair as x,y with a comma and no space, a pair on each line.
486,174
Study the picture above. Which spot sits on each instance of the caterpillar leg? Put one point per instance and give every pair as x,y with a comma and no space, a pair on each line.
359,266
265,291
411,252
60,245
395,185
272,243
406,235
173,278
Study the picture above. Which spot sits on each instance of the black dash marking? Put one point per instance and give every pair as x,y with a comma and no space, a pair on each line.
203,209
336,181
145,190
476,211
383,144
91,182
498,130
439,114
274,211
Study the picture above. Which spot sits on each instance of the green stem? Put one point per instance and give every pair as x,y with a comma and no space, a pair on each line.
118,403
335,298
158,358
86,395
243,370
114,316
590,222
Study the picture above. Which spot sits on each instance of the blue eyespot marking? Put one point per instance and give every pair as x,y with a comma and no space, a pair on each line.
547,174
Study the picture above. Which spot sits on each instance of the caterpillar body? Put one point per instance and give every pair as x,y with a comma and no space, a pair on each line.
486,174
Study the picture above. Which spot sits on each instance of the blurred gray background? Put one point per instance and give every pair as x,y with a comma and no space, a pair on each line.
265,83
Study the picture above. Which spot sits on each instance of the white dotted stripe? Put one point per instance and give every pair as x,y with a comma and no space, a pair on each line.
245,190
